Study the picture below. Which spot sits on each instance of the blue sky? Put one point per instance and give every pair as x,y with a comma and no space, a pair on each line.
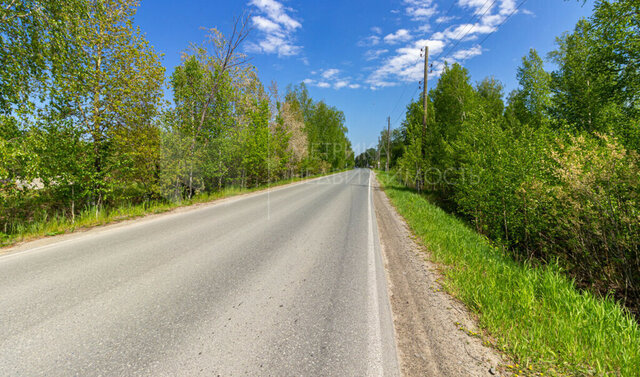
363,56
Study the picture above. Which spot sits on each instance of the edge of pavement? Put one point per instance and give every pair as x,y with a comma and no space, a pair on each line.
434,332
389,357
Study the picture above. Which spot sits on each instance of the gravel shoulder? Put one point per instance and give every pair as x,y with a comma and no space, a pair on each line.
432,329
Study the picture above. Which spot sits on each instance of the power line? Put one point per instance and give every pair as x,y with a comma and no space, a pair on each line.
502,23
401,114
481,42
475,15
453,3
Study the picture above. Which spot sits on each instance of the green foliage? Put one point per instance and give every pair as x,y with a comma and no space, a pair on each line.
535,89
616,33
553,177
535,314
367,158
490,93
36,37
326,134
597,84
453,100
593,206
420,146
83,127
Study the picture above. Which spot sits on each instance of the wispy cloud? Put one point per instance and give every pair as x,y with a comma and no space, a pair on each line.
461,55
331,78
528,12
404,64
420,10
277,29
375,54
401,35
444,19
464,32
341,84
330,73
369,41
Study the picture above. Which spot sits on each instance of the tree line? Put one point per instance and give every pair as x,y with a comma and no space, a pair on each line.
553,173
84,123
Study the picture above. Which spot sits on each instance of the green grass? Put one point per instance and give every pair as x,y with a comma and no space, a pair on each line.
90,217
533,314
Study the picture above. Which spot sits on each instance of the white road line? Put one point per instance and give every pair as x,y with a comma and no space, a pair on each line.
374,366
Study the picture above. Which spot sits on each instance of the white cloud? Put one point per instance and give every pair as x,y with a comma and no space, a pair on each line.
444,19
371,40
401,35
487,12
528,12
464,32
331,77
341,84
468,53
376,30
276,12
264,24
277,29
423,29
406,65
374,54
479,6
330,73
420,10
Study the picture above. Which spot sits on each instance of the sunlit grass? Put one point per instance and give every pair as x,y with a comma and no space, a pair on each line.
536,315
89,217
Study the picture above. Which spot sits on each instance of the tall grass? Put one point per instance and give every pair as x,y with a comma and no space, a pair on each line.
59,223
534,314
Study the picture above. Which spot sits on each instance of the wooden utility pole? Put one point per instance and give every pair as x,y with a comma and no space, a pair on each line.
424,94
423,150
388,142
378,159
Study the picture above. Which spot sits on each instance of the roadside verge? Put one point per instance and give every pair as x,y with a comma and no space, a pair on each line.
435,334
535,315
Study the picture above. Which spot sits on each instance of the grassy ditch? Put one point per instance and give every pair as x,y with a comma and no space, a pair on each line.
534,314
92,217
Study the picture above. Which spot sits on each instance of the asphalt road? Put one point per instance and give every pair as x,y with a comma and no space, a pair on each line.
284,283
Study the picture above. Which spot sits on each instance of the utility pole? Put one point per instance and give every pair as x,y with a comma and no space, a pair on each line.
423,151
388,142
378,159
424,94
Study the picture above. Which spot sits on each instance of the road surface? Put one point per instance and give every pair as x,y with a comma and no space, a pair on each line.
288,282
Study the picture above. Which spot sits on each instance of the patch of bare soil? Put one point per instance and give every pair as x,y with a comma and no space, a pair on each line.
427,320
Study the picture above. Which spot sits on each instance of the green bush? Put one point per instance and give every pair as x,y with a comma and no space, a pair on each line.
535,314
